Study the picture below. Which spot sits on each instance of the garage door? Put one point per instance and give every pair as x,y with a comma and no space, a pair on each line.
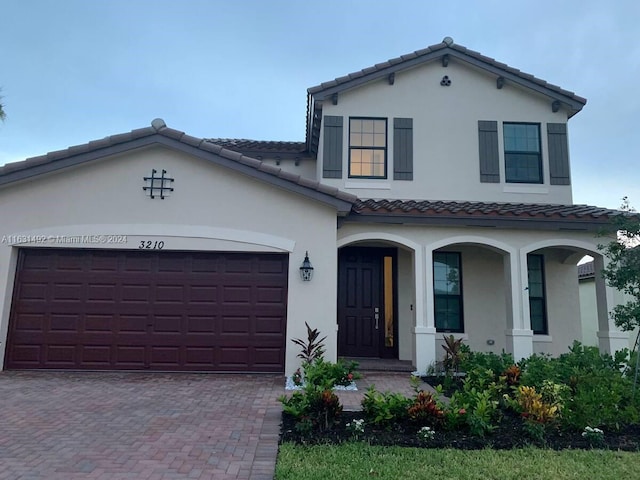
131,310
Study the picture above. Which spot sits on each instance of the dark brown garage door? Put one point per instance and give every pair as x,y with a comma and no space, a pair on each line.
130,310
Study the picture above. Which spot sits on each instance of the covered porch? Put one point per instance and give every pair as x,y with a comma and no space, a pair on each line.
506,290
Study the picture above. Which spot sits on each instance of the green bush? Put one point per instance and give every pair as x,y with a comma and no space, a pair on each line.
327,374
384,409
597,391
486,361
475,406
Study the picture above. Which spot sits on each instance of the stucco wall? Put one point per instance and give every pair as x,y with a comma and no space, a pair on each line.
588,312
445,134
563,305
212,208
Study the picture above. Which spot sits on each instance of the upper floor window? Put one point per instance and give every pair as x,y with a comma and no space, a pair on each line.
368,147
537,304
523,161
447,287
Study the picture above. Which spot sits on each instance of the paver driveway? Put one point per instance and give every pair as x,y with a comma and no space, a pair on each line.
60,425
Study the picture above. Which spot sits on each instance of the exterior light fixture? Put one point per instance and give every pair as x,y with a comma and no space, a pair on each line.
306,269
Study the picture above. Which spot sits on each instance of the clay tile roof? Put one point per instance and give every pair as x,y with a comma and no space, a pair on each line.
159,133
586,270
436,51
479,213
242,144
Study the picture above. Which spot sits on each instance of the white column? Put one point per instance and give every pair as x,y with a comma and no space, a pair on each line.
610,339
519,334
424,332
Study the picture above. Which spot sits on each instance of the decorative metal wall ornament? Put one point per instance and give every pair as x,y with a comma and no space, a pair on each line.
158,185
446,81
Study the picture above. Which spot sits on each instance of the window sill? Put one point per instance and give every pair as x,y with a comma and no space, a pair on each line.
539,190
457,336
542,338
369,185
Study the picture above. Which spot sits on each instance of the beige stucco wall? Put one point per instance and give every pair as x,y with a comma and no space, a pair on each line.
445,133
589,314
212,208
588,311
563,305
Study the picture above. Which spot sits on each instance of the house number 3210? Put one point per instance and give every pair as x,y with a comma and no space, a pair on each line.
151,245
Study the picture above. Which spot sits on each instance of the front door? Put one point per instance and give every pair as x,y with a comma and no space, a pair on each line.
364,283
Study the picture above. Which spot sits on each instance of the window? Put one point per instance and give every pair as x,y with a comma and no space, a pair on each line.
368,147
447,286
537,304
523,162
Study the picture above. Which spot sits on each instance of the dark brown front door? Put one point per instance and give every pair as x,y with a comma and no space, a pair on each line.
136,310
360,302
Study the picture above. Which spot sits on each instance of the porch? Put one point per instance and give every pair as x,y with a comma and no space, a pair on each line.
509,291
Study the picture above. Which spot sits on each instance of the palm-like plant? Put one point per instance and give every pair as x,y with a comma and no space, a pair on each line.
312,348
453,349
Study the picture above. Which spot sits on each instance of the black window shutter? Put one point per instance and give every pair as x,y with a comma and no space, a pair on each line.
332,147
558,154
403,149
489,157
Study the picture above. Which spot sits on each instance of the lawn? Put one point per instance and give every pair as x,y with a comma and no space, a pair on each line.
361,461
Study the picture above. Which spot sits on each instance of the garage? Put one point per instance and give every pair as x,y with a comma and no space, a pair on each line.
148,310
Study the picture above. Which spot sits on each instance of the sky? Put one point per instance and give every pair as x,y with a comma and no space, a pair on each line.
72,71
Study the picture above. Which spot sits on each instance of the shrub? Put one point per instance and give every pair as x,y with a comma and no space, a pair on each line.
497,364
512,375
425,411
453,353
595,392
383,409
474,406
327,374
313,407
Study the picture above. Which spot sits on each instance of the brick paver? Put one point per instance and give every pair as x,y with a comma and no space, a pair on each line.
383,382
64,425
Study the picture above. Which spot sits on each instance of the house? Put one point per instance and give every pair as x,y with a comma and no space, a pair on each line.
589,305
432,196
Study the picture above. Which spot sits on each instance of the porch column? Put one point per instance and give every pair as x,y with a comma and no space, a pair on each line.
424,332
519,334
610,339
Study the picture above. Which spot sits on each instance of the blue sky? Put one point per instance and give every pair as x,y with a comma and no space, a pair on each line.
72,71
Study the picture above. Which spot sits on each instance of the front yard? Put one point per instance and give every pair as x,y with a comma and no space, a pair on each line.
566,417
357,461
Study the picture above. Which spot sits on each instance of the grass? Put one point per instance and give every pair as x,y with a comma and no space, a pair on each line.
356,461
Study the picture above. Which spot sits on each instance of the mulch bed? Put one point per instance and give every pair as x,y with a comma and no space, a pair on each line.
508,434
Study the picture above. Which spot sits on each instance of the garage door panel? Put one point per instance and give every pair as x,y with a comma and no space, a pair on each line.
235,325
135,293
148,310
95,355
196,325
269,325
131,323
29,355
98,323
60,356
170,294
270,295
61,322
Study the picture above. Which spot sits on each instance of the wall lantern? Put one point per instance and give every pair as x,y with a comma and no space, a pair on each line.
306,269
